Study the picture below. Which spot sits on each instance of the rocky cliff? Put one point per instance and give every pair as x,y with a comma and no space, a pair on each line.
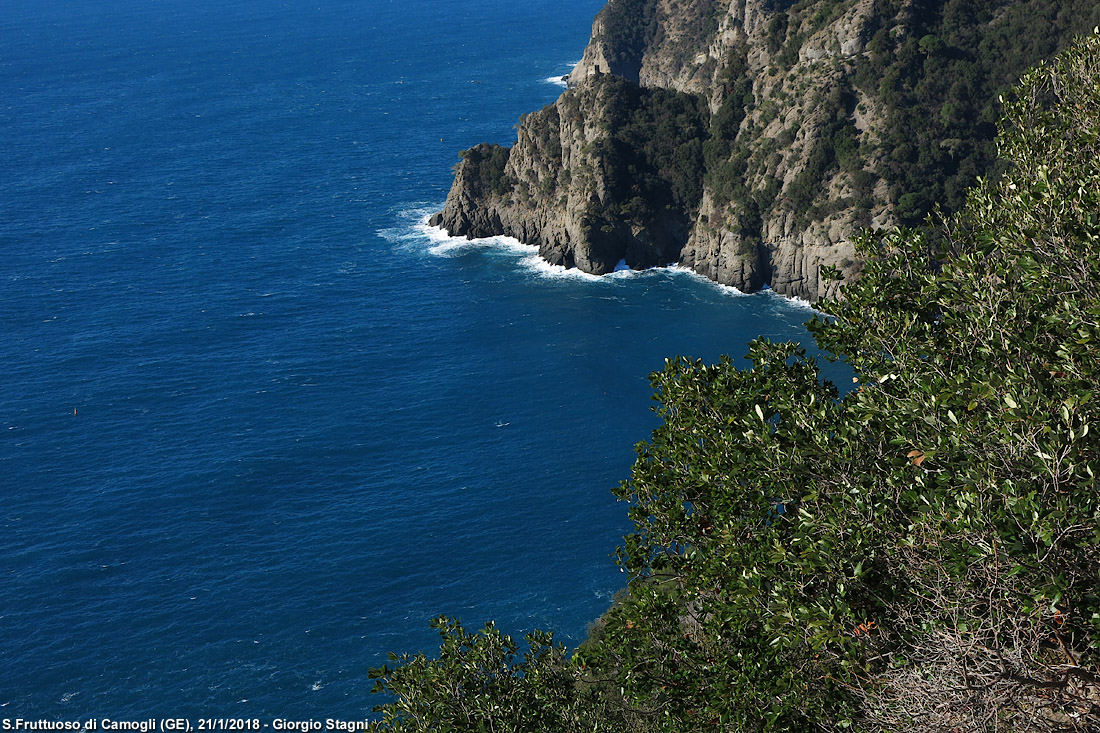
749,139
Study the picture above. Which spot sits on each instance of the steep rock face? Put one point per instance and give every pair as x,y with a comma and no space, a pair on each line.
654,43
749,139
793,202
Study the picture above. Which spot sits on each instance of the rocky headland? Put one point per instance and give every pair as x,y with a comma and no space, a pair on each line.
749,140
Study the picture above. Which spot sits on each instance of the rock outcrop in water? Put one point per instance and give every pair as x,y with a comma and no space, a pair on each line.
748,140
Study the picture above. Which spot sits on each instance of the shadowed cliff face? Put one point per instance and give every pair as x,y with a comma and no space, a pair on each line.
749,140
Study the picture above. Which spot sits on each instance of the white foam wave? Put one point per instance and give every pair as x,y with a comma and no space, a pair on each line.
800,302
538,266
440,243
560,79
724,289
734,292
622,271
443,244
410,219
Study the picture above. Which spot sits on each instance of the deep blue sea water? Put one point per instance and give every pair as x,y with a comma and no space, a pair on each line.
257,424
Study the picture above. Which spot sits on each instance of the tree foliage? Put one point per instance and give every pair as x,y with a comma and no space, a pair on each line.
479,682
919,553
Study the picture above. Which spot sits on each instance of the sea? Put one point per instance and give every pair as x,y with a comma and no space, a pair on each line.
259,423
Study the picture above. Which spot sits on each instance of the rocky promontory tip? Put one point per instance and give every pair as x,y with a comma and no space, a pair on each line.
578,183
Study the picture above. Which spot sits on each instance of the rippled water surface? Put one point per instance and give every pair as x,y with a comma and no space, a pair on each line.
258,424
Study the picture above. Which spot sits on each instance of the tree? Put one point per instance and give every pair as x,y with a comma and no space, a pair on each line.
481,682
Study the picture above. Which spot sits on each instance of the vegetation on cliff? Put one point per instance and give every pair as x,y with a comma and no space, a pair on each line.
921,553
939,87
489,162
652,151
